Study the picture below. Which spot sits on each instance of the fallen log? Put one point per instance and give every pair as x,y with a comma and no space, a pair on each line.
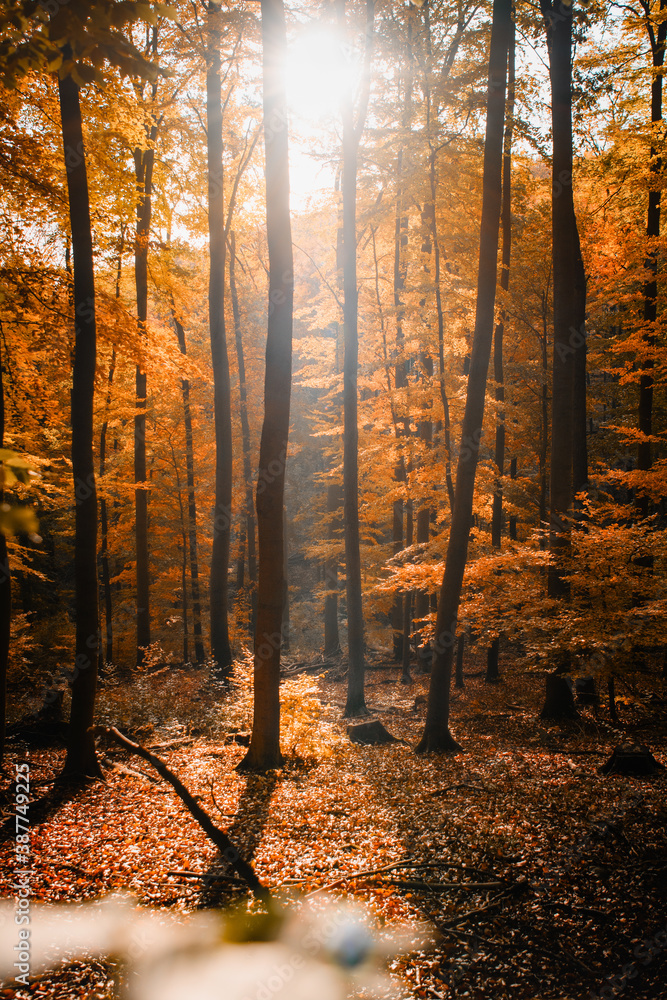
243,868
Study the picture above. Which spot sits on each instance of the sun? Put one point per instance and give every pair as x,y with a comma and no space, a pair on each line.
319,69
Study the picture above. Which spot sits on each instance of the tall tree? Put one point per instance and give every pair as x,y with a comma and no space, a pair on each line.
5,592
219,586
245,431
498,371
352,132
81,760
566,280
436,734
657,32
264,751
200,653
144,159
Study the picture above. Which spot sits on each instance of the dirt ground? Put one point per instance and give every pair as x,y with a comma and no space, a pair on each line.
540,877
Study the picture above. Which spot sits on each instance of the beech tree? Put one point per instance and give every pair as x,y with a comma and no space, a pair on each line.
436,734
264,751
352,132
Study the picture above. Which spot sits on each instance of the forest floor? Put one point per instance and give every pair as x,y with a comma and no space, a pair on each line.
541,878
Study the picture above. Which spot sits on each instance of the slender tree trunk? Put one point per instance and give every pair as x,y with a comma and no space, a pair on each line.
492,671
421,608
104,516
5,594
245,431
184,559
460,646
544,424
407,602
219,584
143,166
331,637
658,38
355,704
441,329
81,760
200,652
264,751
104,529
436,734
565,275
578,341
512,524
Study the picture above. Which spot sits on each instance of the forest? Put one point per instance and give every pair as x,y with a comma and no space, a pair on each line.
333,499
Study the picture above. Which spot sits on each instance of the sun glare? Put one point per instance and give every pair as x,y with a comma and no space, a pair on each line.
319,69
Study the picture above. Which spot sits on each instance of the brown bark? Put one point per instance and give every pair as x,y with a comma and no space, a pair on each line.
81,761
565,275
331,637
658,39
144,160
436,734
5,594
245,430
200,652
355,704
219,584
264,751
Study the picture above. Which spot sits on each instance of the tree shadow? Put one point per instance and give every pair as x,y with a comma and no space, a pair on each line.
42,808
245,834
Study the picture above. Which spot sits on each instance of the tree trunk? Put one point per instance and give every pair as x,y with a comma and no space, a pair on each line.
407,602
81,761
436,734
222,516
104,517
331,637
5,595
565,275
143,166
355,704
245,432
200,652
657,38
578,341
264,751
460,646
492,671
512,527
544,424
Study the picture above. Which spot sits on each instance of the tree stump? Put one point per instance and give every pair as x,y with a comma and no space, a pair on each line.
559,703
631,759
370,734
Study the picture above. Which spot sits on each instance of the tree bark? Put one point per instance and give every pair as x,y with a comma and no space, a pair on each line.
558,25
356,704
492,671
657,38
436,734
245,432
104,516
200,652
5,594
143,166
331,636
222,516
81,761
264,751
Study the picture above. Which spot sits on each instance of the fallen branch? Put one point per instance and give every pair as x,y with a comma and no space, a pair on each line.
180,742
420,884
243,869
448,788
